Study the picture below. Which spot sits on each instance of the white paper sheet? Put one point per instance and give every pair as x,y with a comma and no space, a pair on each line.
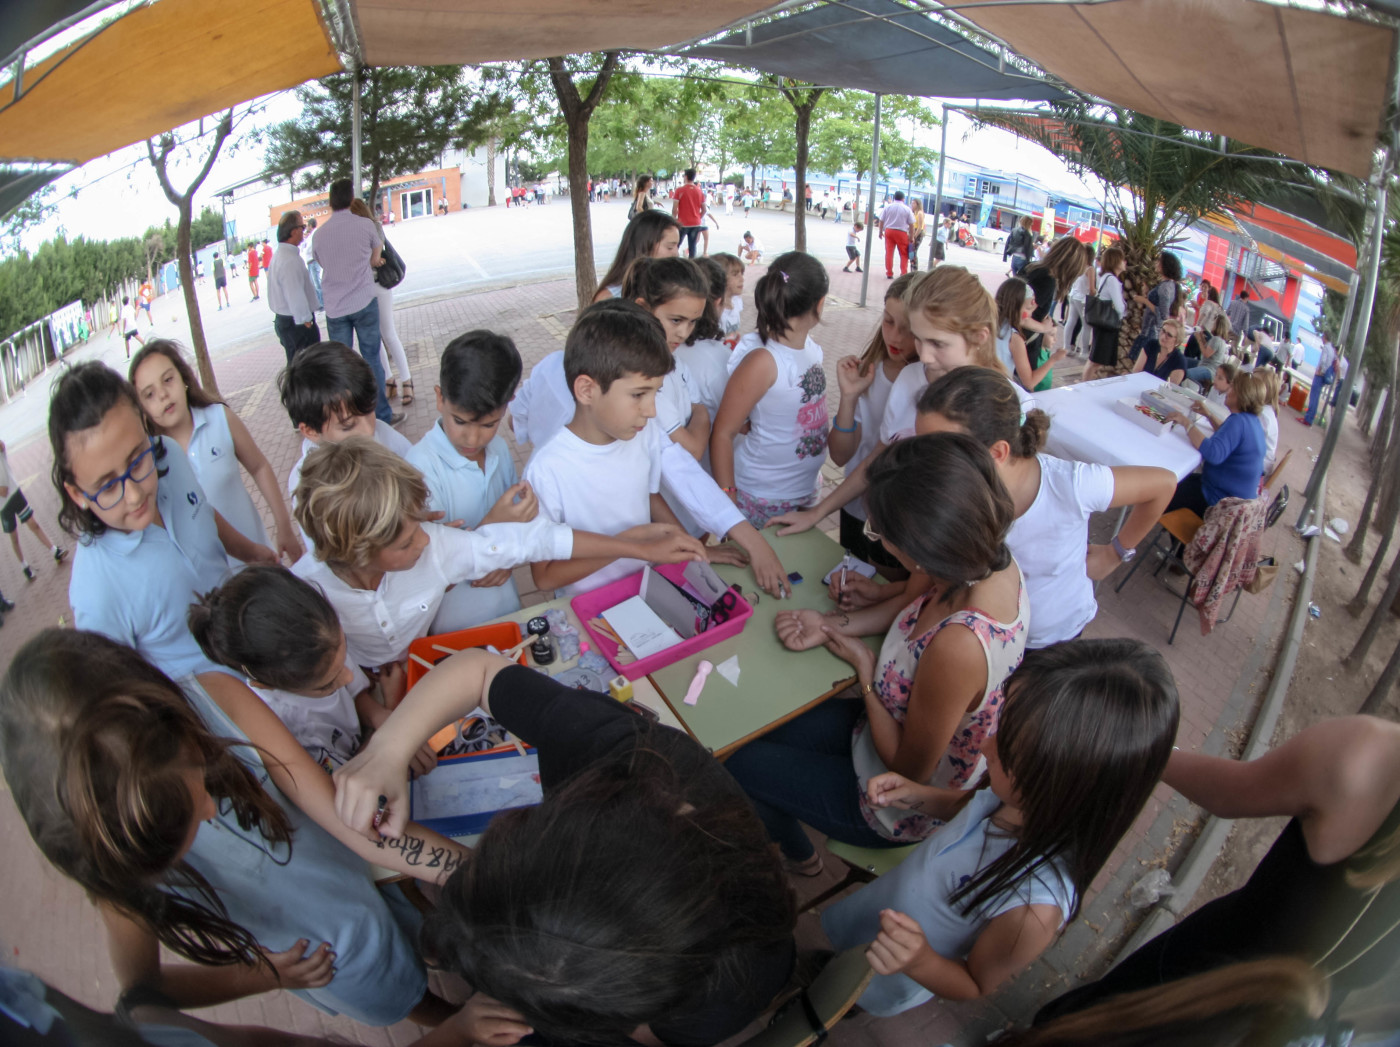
476,786
640,628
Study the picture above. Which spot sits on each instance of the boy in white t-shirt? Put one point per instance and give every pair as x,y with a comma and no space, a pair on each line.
750,249
853,248
602,472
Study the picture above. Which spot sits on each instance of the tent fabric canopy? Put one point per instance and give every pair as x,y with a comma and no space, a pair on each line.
158,67
880,46
18,184
440,32
1308,84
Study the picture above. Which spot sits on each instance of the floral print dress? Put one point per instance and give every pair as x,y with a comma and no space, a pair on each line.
962,764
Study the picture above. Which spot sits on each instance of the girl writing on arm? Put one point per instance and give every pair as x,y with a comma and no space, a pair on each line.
1084,736
148,538
215,440
1053,500
779,388
953,322
196,822
931,696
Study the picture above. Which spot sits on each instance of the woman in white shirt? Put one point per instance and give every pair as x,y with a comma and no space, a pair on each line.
1104,351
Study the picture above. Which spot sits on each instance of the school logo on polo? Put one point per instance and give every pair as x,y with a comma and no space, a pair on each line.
192,497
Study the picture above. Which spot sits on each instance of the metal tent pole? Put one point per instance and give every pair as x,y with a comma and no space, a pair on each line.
874,173
938,194
1360,329
355,128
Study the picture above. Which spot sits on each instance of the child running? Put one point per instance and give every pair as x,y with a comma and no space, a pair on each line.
1084,737
468,468
779,389
215,440
853,248
15,510
199,827
148,539
283,637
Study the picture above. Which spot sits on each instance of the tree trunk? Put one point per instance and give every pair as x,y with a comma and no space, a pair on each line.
1381,691
1385,526
1357,657
1383,473
799,194
490,170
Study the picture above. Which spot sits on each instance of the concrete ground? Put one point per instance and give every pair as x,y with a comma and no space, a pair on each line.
46,925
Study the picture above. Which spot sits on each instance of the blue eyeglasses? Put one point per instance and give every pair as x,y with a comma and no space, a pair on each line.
110,494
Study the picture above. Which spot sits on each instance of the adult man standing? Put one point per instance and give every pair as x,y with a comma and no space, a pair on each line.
291,295
688,208
221,283
253,267
895,221
1237,312
1322,377
347,249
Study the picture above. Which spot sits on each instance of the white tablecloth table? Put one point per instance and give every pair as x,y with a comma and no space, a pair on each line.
1085,427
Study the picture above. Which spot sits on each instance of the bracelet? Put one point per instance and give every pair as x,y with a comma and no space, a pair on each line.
841,429
866,689
730,490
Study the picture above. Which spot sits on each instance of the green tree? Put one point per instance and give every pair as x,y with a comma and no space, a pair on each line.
757,124
804,100
409,116
842,137
494,119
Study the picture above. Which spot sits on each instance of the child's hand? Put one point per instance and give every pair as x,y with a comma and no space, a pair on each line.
795,523
768,573
894,790
362,781
495,578
436,515
899,945
508,510
484,1020
393,683
298,969
678,547
262,554
1100,562
800,630
849,649
1057,356
727,553
423,761
849,379
860,591
289,545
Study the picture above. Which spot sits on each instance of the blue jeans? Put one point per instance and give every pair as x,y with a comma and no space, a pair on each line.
1320,382
364,327
802,772
315,270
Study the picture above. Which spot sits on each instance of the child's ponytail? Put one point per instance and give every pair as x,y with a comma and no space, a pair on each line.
984,404
267,624
794,286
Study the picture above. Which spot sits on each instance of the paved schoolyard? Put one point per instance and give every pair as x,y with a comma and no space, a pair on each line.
47,925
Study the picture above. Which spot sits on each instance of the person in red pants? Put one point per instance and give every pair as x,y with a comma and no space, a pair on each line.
895,221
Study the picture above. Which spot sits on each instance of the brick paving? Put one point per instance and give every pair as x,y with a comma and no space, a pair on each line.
1220,676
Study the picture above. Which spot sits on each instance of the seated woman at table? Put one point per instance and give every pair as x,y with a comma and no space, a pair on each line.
1232,458
1162,357
932,695
640,901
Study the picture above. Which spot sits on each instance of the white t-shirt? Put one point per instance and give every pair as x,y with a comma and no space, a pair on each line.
327,727
1050,541
708,363
676,399
902,405
543,404
729,319
870,410
756,246
607,488
786,445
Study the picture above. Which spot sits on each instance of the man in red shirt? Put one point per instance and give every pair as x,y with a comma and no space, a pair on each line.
253,270
688,208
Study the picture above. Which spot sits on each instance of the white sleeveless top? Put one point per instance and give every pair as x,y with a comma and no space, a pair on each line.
216,467
786,445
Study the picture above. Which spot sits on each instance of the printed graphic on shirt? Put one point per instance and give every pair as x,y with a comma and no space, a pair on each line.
811,416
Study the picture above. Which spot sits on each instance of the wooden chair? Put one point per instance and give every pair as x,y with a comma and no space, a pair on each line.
810,1015
863,864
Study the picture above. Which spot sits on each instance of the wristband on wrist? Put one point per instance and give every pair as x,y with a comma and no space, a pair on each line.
842,428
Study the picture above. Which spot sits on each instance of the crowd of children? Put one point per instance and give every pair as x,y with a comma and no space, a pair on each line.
170,755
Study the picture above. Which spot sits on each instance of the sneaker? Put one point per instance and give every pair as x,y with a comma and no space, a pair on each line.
59,554
5,606
397,417
29,572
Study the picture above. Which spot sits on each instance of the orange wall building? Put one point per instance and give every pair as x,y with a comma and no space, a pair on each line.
411,196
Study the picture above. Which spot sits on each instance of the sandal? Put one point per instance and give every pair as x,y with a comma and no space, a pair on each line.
407,393
391,388
808,868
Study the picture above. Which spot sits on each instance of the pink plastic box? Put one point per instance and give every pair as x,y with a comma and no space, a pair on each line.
592,604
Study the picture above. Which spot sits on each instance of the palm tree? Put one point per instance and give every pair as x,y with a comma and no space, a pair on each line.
1172,176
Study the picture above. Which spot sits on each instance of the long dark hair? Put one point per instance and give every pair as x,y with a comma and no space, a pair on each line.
614,902
94,742
707,327
938,499
656,281
1064,262
793,286
1084,736
983,403
639,239
269,625
195,395
81,399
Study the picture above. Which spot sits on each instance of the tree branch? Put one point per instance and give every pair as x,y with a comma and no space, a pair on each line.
600,83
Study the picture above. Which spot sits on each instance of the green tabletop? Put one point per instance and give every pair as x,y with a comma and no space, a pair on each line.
775,684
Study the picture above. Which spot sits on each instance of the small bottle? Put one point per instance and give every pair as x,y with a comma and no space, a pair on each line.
542,650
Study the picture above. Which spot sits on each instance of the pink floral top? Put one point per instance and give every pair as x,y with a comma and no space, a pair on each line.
962,764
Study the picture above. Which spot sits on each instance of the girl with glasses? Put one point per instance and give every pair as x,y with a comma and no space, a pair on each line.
148,539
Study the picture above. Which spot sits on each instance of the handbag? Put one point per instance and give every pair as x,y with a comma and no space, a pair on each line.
1265,571
1101,312
391,273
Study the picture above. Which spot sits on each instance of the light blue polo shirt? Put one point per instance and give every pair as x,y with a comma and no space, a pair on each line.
137,586
465,491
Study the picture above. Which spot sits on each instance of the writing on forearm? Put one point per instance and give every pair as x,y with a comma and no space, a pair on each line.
416,853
